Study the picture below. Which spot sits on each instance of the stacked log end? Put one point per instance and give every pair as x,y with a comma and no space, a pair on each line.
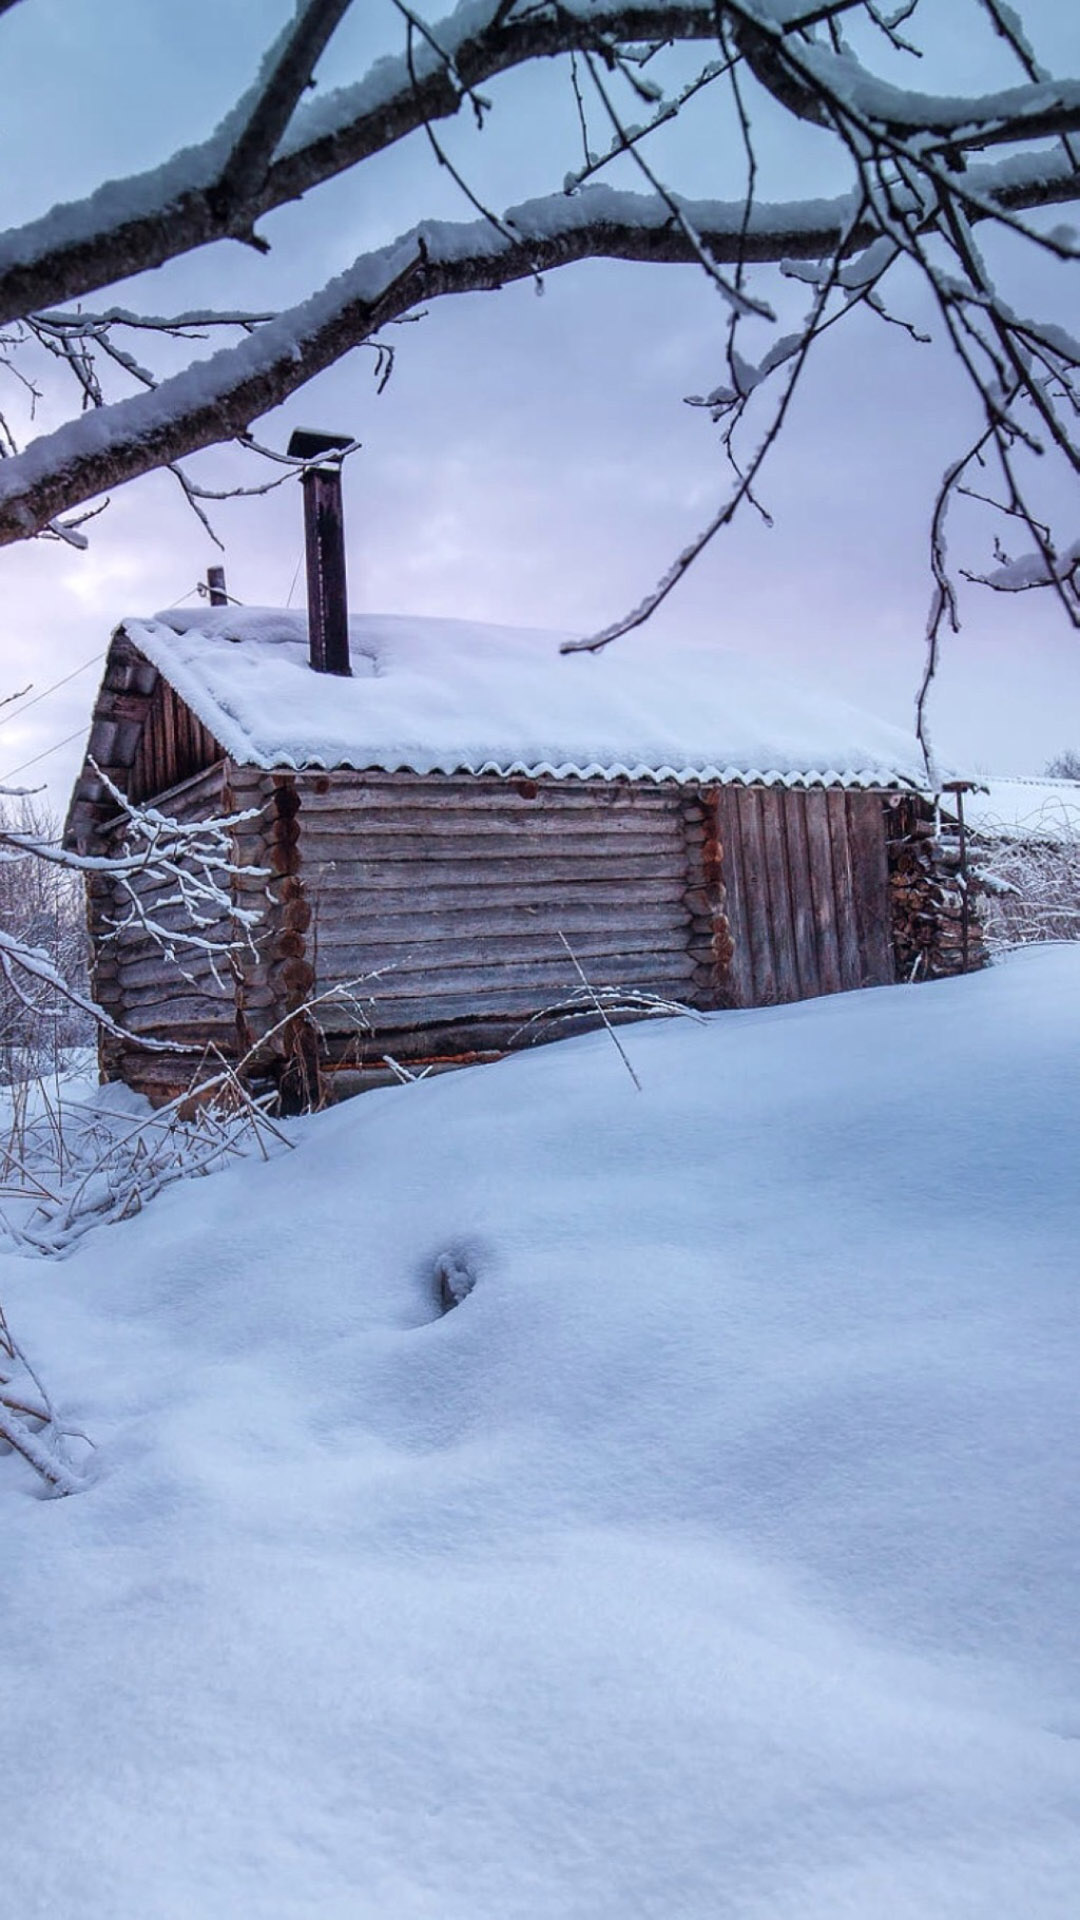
934,896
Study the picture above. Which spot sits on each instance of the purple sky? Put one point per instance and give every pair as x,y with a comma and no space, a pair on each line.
531,461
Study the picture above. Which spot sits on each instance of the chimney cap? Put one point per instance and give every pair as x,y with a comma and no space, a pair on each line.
307,445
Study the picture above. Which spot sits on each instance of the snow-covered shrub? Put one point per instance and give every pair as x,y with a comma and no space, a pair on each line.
1030,890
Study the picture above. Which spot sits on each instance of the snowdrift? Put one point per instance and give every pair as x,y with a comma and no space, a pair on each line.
716,1556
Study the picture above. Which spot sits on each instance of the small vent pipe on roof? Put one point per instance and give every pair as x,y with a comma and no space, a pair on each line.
324,538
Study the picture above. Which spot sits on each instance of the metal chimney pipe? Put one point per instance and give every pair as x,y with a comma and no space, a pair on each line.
324,538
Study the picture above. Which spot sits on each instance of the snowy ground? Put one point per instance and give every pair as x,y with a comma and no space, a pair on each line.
716,1557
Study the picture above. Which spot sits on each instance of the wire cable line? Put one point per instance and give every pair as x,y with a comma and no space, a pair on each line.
55,748
18,712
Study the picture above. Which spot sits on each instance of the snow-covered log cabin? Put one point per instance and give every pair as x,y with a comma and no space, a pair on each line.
470,827
456,840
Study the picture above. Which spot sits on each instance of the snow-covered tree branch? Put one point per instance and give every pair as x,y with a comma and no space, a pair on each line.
936,180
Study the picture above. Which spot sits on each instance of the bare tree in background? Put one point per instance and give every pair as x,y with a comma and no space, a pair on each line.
42,910
942,189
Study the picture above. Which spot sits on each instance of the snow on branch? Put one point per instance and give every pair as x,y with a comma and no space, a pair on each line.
1045,568
922,197
172,884
29,1424
172,878
216,399
221,188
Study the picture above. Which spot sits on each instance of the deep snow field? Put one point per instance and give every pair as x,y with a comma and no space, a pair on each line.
717,1556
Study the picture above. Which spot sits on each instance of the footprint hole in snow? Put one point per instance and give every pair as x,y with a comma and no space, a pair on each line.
454,1276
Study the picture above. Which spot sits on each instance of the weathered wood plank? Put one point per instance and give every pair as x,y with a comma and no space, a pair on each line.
438,806
193,1013
494,976
485,851
497,951
465,1039
847,932
165,1074
756,896
185,737
170,769
346,924
174,920
137,970
869,863
458,890
199,793
440,830
802,895
772,803
819,846
740,980
520,999
406,875
138,963
149,968
400,792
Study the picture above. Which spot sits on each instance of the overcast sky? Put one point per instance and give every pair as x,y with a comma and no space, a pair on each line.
532,460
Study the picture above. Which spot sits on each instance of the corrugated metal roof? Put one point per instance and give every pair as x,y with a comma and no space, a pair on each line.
454,697
447,695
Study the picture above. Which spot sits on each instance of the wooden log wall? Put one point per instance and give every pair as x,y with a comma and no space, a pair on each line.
440,906
188,1000
806,885
447,901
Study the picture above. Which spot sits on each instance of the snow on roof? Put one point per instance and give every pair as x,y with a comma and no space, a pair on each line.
447,696
1020,809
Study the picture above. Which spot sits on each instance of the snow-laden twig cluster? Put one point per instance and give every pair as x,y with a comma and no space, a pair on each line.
172,882
29,1424
1030,889
69,1165
74,1165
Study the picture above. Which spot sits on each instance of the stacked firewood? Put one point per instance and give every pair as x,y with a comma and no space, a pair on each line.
934,896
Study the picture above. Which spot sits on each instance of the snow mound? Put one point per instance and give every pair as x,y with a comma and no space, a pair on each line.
442,696
716,1556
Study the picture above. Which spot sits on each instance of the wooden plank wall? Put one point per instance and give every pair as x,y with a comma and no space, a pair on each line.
448,898
172,747
807,899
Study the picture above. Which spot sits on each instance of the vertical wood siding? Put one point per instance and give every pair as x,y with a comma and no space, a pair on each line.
807,898
173,745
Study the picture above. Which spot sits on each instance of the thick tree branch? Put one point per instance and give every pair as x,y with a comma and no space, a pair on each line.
130,226
288,71
801,75
218,399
